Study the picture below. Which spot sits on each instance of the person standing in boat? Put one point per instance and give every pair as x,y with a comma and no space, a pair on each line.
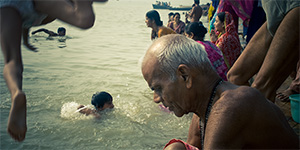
153,21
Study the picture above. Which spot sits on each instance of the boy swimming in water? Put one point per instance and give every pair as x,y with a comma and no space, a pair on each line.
101,101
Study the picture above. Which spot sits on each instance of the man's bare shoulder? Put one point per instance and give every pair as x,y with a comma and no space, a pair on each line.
243,94
241,101
198,8
229,118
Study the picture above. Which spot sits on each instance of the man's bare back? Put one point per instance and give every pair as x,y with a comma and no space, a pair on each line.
196,13
253,120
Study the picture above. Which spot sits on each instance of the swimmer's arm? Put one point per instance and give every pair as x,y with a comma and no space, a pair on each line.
51,33
88,111
25,35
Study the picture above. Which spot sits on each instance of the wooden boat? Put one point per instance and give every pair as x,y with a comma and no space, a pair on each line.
163,5
158,6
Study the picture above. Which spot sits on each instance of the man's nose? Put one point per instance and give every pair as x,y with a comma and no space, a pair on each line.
156,98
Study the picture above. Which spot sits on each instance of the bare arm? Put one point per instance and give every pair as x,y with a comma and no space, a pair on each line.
25,40
76,12
51,33
213,36
194,132
88,111
192,13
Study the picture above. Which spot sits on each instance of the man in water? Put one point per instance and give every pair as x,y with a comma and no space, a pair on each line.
61,31
179,72
195,13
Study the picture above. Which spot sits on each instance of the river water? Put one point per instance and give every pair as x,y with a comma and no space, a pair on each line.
67,71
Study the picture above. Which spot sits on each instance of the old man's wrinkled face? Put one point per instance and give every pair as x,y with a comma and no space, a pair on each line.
165,90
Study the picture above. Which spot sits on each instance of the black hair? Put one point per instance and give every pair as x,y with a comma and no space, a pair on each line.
171,14
196,2
177,14
221,16
154,15
197,29
100,98
61,29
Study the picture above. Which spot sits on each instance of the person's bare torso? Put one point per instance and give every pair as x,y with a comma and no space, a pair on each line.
248,118
196,14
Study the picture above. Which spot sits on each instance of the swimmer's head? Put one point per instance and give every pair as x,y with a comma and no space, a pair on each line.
102,100
61,31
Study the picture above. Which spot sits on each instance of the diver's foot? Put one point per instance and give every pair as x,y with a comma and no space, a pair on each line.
16,125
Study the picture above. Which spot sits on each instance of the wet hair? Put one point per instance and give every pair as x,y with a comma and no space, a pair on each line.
196,2
177,14
154,15
100,98
221,16
61,29
197,29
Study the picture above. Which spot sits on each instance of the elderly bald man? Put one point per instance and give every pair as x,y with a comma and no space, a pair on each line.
177,69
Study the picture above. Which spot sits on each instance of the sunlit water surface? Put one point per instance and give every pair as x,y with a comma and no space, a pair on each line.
67,71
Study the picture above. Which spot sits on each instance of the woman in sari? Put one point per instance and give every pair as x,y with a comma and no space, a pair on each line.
153,21
177,25
226,38
197,31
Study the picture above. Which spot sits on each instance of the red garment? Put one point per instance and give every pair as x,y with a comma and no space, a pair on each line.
229,42
237,8
187,146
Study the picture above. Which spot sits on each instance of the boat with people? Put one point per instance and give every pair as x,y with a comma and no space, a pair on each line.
161,5
167,5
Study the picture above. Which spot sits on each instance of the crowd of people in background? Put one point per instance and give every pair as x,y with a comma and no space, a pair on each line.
187,73
270,55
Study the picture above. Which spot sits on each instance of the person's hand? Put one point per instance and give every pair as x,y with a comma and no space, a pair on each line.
213,36
30,47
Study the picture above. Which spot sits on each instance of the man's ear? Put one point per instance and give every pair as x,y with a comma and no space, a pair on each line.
184,73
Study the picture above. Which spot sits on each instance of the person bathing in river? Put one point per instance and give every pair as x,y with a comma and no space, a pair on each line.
61,31
177,25
153,21
101,101
17,17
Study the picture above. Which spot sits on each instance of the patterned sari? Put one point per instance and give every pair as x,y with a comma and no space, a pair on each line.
229,42
216,58
179,29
